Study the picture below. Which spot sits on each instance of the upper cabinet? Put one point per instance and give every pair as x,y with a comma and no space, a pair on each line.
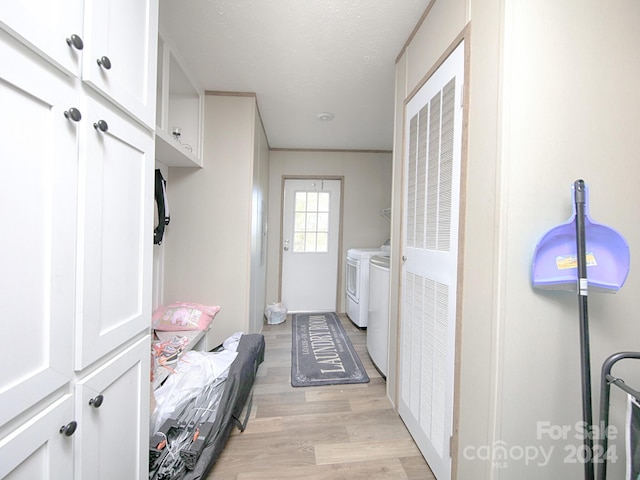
180,106
53,29
111,45
119,53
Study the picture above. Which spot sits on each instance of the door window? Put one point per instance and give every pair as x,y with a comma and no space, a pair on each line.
311,225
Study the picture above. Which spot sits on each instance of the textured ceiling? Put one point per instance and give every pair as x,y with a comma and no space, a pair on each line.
301,57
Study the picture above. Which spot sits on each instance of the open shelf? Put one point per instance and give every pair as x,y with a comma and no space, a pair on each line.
180,104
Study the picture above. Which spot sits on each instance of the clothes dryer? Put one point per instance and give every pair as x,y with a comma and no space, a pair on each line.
357,283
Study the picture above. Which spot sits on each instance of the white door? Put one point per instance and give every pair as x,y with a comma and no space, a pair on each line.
433,126
115,244
310,240
38,160
40,449
53,29
120,55
110,409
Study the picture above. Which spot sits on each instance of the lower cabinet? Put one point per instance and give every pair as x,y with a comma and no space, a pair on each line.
81,435
38,449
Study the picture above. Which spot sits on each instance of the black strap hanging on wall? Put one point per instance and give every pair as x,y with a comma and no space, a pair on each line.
163,207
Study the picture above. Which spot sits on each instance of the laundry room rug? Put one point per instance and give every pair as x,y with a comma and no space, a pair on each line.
321,353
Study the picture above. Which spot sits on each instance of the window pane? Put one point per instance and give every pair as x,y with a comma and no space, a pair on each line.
312,222
323,222
298,242
323,202
312,201
301,201
300,222
310,242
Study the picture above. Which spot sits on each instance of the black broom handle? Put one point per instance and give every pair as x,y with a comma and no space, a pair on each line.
587,412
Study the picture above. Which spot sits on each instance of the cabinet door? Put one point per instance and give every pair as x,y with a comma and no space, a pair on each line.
116,225
38,450
45,26
126,33
113,417
38,161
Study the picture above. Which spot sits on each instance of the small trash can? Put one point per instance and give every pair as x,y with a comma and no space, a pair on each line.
275,313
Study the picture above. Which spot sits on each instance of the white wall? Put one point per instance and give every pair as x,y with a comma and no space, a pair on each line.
571,110
552,97
367,189
208,248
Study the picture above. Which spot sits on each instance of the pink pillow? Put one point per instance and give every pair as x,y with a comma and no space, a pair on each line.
183,316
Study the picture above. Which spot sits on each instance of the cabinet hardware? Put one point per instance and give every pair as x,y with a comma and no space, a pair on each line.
101,125
104,62
73,114
75,41
97,401
69,429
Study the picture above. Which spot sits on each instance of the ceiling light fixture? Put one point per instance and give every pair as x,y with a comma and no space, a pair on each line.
325,116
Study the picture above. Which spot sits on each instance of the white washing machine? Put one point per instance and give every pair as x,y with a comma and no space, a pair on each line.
357,283
378,329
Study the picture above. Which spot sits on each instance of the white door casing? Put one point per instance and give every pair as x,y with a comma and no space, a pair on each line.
310,243
433,154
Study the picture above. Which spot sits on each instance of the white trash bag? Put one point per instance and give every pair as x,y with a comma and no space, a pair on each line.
275,313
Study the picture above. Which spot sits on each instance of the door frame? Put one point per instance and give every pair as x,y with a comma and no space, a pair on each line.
339,283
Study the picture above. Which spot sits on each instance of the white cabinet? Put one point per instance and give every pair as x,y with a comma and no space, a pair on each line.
112,411
115,238
45,26
180,110
39,449
112,45
98,434
38,159
75,249
120,53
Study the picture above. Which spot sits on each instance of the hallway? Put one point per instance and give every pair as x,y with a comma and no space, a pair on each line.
317,433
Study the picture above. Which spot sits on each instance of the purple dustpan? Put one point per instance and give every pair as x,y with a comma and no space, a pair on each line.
555,258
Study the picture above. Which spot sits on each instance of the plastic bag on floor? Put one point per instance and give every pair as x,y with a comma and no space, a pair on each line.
194,371
275,313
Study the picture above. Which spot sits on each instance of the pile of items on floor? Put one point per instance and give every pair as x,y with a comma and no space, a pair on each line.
198,405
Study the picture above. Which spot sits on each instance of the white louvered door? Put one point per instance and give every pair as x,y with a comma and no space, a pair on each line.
433,140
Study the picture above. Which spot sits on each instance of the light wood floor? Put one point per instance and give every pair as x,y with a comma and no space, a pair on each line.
316,433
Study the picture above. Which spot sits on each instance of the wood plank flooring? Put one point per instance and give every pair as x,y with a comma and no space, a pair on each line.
319,433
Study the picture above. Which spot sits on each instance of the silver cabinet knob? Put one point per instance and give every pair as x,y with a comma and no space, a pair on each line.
104,62
73,114
75,41
69,429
